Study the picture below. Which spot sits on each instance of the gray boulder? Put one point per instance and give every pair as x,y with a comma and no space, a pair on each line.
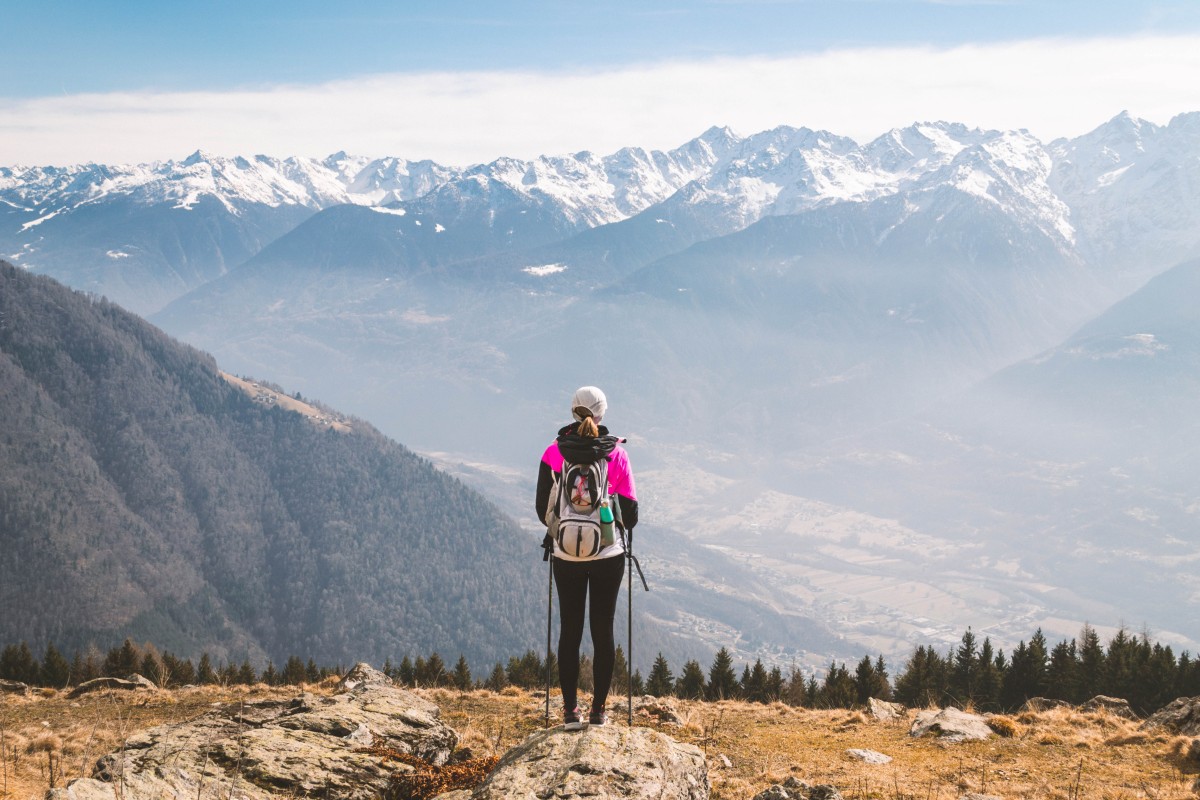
868,756
795,789
1113,705
257,750
1039,704
610,761
884,711
951,725
132,683
1181,716
13,687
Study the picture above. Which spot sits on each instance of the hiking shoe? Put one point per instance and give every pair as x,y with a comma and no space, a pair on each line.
571,720
597,718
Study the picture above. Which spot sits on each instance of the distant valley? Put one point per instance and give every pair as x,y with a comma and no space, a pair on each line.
874,393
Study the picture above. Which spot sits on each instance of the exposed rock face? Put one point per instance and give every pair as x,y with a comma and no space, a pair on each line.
1038,704
131,683
661,708
1113,705
795,789
1180,716
884,711
612,761
306,746
12,687
868,756
951,725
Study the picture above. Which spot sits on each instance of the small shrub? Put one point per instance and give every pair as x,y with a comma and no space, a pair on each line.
1004,726
1184,748
1122,739
45,743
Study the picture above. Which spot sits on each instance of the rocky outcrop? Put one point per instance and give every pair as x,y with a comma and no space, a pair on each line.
338,747
610,761
661,709
884,711
868,756
132,683
1180,716
795,789
1039,704
951,725
1116,706
13,687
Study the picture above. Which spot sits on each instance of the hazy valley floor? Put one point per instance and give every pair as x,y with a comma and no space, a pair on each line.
49,740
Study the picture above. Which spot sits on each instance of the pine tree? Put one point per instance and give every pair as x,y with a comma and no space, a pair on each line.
620,678
435,671
421,672
869,682
924,679
1062,673
883,682
637,686
462,674
722,681
838,689
293,671
245,675
989,678
1120,666
774,687
587,681
661,680
406,673
123,661
76,668
498,679
205,674
152,668
795,693
965,670
754,686
269,676
690,685
17,664
56,672
1091,665
312,673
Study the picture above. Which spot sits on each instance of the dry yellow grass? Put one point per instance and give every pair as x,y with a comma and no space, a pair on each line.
1059,754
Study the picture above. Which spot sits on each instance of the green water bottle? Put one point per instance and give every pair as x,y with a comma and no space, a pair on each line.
606,525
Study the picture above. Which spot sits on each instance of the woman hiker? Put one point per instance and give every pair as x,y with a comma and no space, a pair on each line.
582,570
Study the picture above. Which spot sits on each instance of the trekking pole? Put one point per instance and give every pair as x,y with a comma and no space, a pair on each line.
633,564
629,678
549,614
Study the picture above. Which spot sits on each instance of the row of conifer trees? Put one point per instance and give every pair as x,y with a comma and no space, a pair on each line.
973,673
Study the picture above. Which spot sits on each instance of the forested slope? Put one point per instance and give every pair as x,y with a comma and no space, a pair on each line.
143,495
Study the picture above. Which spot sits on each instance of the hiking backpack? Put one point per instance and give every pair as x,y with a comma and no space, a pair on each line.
580,491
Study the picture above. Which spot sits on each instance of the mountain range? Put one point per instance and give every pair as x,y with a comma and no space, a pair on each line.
864,384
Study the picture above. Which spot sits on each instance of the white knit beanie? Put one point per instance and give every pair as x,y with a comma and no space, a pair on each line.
590,398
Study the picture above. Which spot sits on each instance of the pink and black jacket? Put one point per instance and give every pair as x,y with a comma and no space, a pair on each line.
620,477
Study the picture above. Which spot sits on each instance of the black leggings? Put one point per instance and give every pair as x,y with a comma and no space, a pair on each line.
573,578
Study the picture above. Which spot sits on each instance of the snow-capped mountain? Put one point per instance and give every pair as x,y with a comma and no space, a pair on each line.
797,298
1131,186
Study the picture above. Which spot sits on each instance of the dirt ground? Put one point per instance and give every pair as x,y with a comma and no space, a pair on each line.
48,739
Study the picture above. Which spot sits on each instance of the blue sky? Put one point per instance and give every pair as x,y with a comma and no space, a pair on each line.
470,81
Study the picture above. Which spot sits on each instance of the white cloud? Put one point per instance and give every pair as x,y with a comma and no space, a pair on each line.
1051,87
